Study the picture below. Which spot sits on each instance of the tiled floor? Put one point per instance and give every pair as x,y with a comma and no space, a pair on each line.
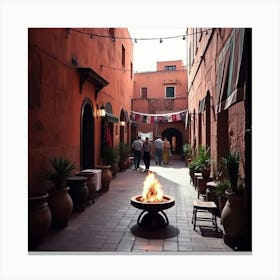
110,223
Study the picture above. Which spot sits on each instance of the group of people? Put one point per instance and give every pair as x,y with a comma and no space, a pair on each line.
146,148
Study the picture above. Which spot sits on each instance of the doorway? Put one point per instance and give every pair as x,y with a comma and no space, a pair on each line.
87,136
175,138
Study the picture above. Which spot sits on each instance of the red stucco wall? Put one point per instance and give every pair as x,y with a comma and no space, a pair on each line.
55,102
156,102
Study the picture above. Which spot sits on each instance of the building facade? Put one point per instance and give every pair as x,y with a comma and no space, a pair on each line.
72,73
160,103
219,96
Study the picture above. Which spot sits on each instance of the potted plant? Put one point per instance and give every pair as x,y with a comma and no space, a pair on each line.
233,212
110,157
187,150
124,150
204,161
39,218
220,191
60,202
231,163
193,168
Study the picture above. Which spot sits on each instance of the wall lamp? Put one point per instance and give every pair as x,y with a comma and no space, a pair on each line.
122,123
101,112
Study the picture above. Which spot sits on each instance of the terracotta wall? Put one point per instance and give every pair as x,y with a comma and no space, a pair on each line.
55,99
229,126
156,102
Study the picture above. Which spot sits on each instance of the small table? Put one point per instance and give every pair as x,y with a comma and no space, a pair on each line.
97,177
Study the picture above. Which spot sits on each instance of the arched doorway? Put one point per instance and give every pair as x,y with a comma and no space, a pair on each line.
175,138
87,135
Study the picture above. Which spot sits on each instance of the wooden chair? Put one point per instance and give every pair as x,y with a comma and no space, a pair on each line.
204,206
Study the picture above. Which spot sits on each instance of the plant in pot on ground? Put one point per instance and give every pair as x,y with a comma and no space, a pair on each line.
233,212
60,202
231,163
204,161
124,150
222,187
187,150
110,157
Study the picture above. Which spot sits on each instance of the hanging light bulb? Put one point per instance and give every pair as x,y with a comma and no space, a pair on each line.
184,37
135,40
160,40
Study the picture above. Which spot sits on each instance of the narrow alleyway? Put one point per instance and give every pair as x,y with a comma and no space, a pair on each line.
110,224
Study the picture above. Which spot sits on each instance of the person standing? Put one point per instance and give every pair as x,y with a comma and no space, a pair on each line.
158,150
137,148
166,150
147,152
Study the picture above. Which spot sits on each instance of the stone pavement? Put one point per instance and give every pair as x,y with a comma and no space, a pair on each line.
110,223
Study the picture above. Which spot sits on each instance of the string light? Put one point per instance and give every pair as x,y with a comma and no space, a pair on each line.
136,39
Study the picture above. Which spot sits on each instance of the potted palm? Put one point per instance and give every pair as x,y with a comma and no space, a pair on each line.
231,163
60,202
187,150
204,161
110,157
233,212
124,150
220,191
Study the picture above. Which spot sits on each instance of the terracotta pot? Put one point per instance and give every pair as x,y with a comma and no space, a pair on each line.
39,218
61,207
78,192
106,176
90,183
122,165
232,220
206,173
114,169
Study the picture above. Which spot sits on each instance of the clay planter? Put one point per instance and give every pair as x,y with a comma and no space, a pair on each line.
114,169
78,192
90,184
39,219
61,207
206,173
232,220
106,176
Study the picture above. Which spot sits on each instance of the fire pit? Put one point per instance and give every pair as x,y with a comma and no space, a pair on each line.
152,202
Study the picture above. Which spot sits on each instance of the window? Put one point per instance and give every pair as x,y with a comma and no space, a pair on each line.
169,92
170,67
123,55
144,93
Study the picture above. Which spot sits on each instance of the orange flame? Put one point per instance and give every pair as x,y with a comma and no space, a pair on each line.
152,190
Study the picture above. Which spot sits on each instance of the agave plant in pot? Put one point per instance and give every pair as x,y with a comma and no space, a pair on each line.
233,211
187,150
110,157
60,202
204,161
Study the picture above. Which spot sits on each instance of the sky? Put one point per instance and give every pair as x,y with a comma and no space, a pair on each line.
146,53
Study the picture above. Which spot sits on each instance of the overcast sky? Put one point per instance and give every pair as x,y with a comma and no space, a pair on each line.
146,53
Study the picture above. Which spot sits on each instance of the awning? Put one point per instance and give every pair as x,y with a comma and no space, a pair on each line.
88,74
111,118
201,106
229,62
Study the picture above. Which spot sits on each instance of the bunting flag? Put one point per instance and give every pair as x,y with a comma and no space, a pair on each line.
155,118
